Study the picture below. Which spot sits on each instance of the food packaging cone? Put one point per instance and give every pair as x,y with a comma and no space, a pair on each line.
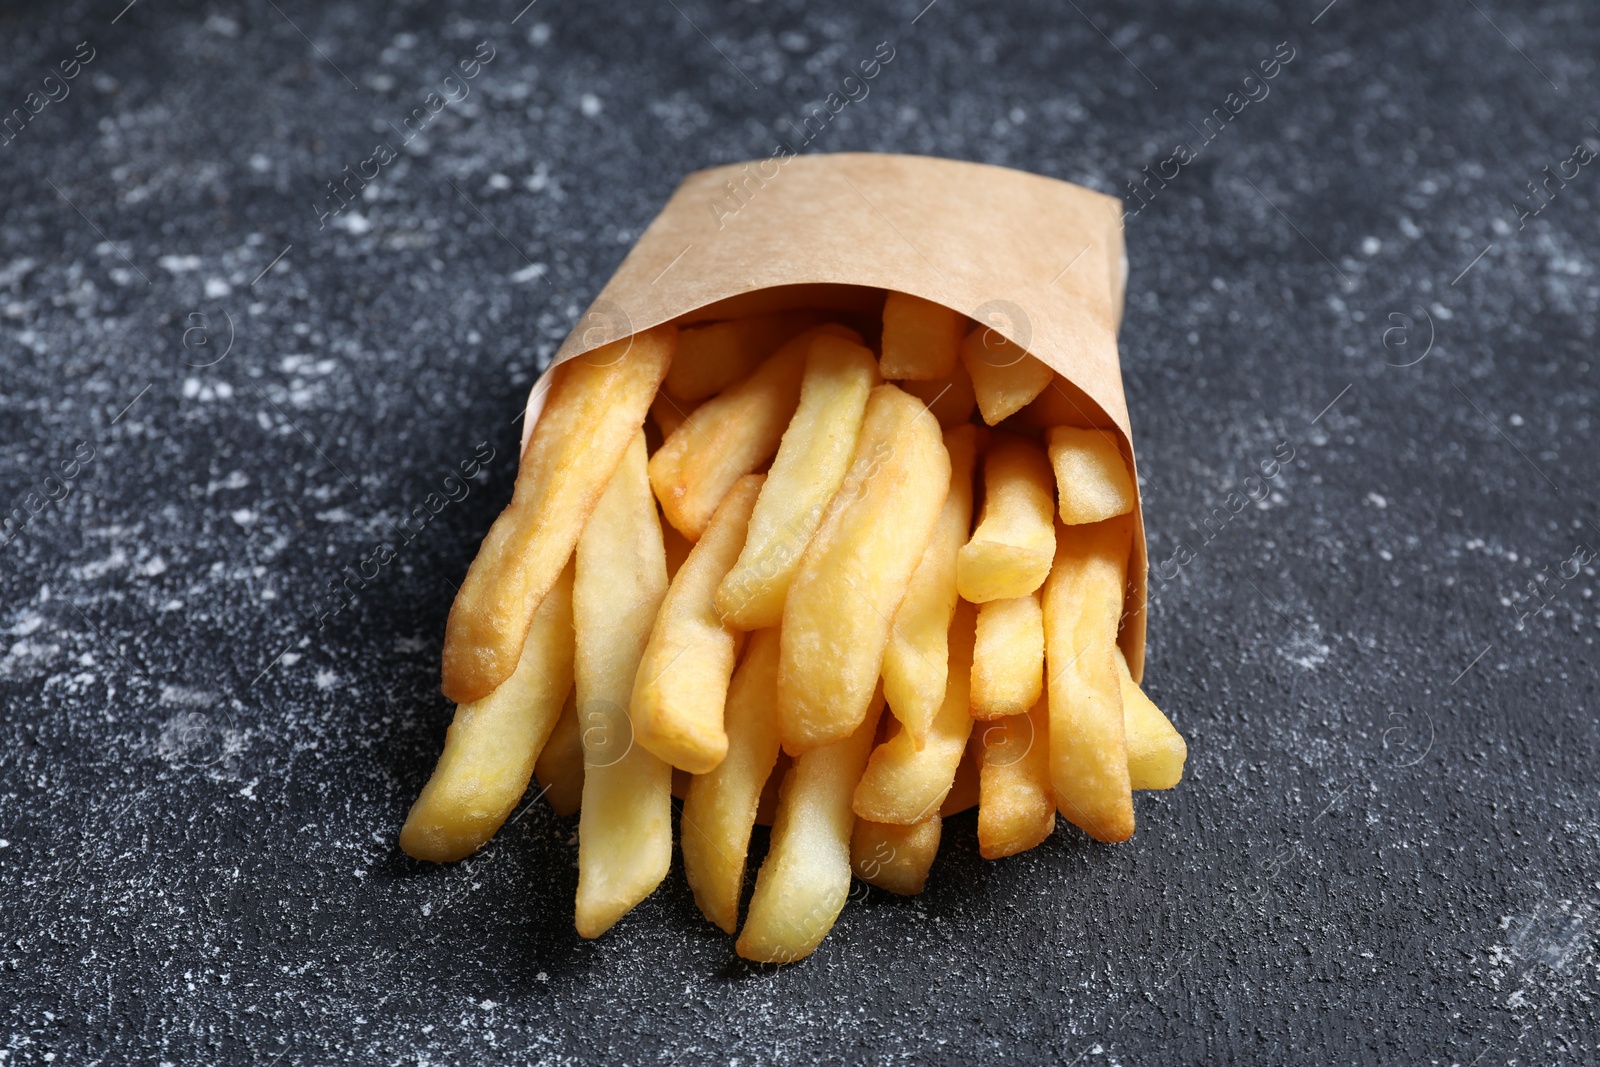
1037,260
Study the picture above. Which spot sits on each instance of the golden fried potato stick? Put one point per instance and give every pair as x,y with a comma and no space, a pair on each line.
730,436
950,399
1088,742
1004,377
1016,806
805,878
1008,666
560,766
596,404
682,682
916,660
963,795
722,805
856,570
921,339
1061,403
625,826
716,355
903,784
1010,551
1093,479
810,466
896,858
492,744
1156,750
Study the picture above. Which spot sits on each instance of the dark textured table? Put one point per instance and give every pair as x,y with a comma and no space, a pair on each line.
222,383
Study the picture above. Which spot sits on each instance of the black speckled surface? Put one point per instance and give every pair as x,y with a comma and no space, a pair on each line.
1385,847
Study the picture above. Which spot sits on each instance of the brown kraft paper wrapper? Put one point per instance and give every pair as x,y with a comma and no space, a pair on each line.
1037,260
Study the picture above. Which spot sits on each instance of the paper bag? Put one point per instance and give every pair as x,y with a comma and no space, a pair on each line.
1037,260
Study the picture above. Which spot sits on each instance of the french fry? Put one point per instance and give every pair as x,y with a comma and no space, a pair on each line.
717,354
595,407
855,572
950,399
625,825
1004,377
1010,552
916,659
963,795
1156,750
896,858
1060,404
682,681
493,743
722,805
805,878
810,466
1091,475
1016,806
921,339
904,785
1008,666
560,766
729,436
1088,742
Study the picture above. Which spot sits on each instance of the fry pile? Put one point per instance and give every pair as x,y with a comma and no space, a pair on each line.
838,574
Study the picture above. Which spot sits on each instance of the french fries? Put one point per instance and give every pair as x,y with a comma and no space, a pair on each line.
625,824
720,604
921,339
682,679
718,354
811,464
1016,805
916,659
723,804
595,407
1004,377
904,784
1092,478
1010,552
1156,750
950,399
493,743
730,436
560,766
1088,742
806,876
1008,665
896,858
856,570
